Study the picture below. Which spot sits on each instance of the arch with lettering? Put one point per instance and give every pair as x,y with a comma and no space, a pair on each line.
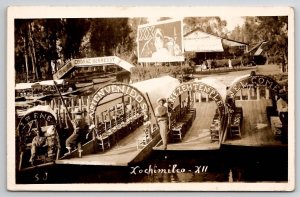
42,117
199,87
116,89
261,80
27,130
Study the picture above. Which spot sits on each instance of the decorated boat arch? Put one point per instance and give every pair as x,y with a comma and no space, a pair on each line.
253,80
38,118
123,89
196,124
199,86
251,103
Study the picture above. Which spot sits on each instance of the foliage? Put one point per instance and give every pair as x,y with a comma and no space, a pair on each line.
213,25
140,73
272,29
40,43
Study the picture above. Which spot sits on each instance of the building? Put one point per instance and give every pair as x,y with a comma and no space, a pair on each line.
208,46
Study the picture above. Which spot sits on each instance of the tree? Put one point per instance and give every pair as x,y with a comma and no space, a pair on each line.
272,29
110,36
74,30
213,25
42,42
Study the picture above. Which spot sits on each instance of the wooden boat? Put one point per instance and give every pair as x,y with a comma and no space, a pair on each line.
34,119
123,140
258,126
200,122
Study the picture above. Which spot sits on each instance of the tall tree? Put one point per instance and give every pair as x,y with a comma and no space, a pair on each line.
74,30
213,25
110,36
272,29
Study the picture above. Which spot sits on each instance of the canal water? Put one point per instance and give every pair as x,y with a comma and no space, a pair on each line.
229,164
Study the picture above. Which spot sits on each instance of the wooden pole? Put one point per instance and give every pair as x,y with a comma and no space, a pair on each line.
63,102
64,117
267,93
80,103
151,106
200,97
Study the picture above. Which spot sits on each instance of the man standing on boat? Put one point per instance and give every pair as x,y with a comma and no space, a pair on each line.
282,108
161,113
78,135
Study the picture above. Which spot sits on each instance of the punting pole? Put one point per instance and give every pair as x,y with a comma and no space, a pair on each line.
152,109
62,100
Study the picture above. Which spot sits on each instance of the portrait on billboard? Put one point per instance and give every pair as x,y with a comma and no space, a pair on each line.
160,42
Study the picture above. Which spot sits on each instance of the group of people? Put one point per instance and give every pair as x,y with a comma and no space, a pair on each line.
208,64
75,139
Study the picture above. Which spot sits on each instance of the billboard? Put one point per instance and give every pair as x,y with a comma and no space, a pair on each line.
160,42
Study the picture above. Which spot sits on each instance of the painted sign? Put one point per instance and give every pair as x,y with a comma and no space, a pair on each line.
160,42
93,61
87,62
198,87
115,89
260,80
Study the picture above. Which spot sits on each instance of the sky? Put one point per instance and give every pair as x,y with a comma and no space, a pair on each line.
233,21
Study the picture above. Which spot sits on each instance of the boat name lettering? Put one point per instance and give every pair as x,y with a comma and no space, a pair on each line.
118,88
197,87
260,80
37,115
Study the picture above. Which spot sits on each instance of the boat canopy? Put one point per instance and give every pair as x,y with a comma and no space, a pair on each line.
235,80
45,108
215,83
157,87
24,86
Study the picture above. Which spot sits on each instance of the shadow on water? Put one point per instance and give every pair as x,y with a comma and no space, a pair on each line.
242,164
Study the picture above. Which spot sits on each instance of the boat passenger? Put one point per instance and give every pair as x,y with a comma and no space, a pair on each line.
39,141
78,136
282,108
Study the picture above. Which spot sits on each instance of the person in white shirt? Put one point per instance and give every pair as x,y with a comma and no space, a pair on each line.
282,108
161,113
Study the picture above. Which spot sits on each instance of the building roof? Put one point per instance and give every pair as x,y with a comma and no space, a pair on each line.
23,86
199,41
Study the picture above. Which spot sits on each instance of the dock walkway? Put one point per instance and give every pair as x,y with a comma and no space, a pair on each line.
198,136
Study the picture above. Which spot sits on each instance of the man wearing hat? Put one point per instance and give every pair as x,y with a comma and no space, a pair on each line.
161,113
38,141
282,108
78,135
